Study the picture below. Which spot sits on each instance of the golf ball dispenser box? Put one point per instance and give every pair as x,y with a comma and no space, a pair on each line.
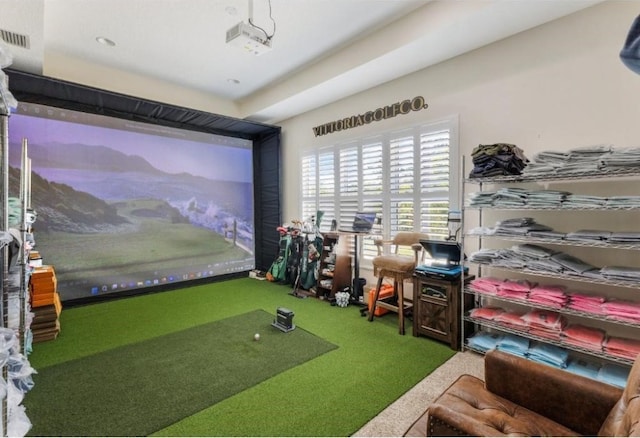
284,320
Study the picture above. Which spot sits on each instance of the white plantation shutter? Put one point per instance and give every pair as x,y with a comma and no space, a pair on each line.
369,249
309,171
402,171
401,215
401,165
434,182
433,217
326,175
372,190
349,183
327,188
327,206
404,176
434,162
348,165
348,208
372,170
308,177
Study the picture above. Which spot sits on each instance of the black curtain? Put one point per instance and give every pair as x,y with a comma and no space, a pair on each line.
266,165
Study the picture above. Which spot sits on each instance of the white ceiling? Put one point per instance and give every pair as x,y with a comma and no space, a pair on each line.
323,50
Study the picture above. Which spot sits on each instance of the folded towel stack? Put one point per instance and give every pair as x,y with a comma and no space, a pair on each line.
497,159
589,338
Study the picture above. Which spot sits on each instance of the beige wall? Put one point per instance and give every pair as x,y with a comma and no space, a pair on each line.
59,65
557,86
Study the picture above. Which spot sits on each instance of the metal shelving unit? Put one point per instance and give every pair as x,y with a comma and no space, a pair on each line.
479,297
4,223
9,286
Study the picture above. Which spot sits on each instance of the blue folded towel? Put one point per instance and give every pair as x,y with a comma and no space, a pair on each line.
614,374
549,354
514,344
484,341
583,367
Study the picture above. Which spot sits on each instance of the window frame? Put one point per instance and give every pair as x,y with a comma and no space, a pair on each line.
371,200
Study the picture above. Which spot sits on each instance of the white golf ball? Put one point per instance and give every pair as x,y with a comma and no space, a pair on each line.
256,336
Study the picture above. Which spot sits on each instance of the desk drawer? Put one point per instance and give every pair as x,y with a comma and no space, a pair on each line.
434,291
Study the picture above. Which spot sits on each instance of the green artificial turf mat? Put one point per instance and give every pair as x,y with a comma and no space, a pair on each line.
333,395
140,388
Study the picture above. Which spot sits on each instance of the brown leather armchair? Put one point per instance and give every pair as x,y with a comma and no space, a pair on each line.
524,398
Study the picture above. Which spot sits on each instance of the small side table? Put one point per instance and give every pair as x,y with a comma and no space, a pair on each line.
437,308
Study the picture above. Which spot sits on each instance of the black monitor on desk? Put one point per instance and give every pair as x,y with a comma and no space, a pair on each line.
442,252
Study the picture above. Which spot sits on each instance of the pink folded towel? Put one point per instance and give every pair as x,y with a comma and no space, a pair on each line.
508,293
622,347
486,312
549,289
513,319
587,308
579,297
587,337
517,285
487,285
545,319
548,303
622,306
547,334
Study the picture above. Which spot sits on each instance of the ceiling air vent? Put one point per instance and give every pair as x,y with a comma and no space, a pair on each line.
15,39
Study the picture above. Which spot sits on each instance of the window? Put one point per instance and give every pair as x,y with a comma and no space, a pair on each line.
406,176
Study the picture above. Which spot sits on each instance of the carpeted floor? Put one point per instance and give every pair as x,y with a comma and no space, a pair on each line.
400,415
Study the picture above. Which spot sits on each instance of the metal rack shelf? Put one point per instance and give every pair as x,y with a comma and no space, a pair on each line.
562,310
562,242
567,177
548,274
502,328
552,208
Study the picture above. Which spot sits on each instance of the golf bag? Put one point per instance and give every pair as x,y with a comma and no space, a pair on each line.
311,252
278,269
308,275
294,260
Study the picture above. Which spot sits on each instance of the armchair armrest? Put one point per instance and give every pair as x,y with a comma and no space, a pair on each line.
577,402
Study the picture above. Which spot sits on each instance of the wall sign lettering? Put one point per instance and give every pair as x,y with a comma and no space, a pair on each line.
387,112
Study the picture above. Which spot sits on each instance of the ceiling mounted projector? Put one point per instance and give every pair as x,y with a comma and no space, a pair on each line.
249,38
